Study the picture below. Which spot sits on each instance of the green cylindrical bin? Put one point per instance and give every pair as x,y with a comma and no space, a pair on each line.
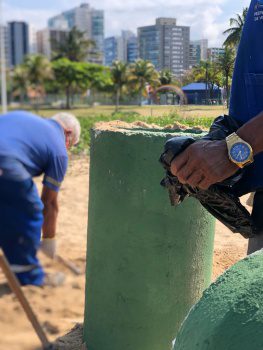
147,262
229,315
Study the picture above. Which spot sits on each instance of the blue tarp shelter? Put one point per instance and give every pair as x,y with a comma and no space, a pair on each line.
199,93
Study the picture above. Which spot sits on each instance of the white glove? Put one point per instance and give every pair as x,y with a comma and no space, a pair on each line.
48,246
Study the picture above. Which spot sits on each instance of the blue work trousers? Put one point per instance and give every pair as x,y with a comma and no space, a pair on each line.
21,222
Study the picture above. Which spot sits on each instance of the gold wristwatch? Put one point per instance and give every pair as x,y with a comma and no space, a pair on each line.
239,151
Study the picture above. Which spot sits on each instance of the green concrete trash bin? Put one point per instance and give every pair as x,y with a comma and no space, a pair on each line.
229,316
147,262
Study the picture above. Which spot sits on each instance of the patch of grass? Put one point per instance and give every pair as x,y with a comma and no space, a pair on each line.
188,111
161,115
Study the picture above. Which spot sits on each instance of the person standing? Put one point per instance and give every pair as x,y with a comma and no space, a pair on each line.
208,162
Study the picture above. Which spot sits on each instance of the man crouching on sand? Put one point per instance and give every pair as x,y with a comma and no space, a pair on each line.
31,146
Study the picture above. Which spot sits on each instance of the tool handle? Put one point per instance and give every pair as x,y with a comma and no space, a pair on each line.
73,268
17,290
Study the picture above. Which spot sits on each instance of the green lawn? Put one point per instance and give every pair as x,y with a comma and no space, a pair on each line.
146,111
160,115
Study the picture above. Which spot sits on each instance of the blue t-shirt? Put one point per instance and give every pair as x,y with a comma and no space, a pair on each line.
247,87
31,146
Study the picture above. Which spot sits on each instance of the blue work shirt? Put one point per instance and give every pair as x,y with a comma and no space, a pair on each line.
247,87
31,146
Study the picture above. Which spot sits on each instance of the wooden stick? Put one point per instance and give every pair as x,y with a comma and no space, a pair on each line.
73,268
17,290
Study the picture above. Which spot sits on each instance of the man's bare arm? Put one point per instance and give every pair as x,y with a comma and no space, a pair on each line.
206,162
50,201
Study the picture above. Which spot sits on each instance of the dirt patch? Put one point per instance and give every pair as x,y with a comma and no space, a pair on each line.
118,125
229,248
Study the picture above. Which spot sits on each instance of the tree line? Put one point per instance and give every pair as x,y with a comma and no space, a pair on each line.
68,72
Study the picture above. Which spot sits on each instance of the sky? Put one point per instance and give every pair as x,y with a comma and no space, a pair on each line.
207,18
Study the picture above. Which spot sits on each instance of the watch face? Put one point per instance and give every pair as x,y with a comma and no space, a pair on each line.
240,152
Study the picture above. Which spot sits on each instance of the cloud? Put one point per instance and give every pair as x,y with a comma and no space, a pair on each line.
207,18
35,17
201,15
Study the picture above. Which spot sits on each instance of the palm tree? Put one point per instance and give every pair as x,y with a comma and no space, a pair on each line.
210,74
226,64
75,46
20,82
143,73
39,70
166,77
235,31
119,76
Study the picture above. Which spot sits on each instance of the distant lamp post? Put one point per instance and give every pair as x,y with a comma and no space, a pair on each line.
2,59
206,82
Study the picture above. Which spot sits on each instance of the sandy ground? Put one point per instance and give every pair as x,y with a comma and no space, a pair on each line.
59,309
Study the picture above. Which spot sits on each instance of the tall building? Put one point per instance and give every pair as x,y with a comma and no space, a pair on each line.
122,48
18,36
198,52
214,52
204,47
32,40
59,22
194,54
87,20
149,42
48,39
166,45
128,46
132,49
110,50
6,45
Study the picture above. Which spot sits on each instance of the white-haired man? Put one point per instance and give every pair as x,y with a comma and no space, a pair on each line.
31,146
